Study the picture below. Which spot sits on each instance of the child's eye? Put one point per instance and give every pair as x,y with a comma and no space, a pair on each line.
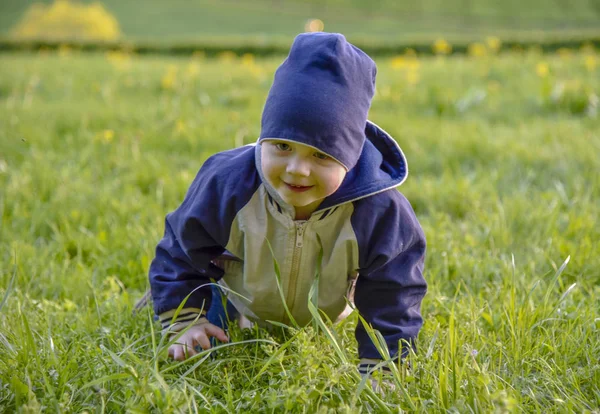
321,156
282,146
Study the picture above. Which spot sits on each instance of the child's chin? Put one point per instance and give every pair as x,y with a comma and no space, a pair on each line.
294,202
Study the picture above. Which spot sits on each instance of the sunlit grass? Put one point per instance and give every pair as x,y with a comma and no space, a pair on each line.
95,150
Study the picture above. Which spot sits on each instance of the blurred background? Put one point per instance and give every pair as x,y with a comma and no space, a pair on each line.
108,109
274,22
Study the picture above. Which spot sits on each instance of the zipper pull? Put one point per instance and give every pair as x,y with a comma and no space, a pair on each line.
299,234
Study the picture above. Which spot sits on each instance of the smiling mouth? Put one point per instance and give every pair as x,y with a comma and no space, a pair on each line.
298,188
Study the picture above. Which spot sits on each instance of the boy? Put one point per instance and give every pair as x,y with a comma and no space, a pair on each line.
321,178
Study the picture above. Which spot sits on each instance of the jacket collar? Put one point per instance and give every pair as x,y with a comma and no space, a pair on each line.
380,167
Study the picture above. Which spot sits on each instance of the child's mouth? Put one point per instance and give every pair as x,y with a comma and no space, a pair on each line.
298,188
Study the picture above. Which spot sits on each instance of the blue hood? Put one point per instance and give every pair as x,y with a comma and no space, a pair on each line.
321,95
380,167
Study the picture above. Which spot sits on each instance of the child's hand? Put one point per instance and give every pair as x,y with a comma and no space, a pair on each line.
196,335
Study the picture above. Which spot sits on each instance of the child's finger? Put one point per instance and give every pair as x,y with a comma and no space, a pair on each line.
217,332
188,348
177,352
202,339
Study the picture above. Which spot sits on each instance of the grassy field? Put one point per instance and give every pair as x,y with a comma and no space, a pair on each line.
503,153
383,19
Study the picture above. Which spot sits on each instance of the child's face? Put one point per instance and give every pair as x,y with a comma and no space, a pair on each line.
301,175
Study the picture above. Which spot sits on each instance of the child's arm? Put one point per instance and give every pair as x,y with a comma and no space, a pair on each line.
182,269
390,286
196,233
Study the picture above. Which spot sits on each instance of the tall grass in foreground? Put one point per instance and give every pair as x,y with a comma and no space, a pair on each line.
94,150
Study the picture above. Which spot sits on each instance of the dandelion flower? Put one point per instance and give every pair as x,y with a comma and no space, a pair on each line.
119,59
227,56
247,59
493,43
442,47
169,78
192,70
590,63
64,51
108,135
542,69
179,126
477,50
398,62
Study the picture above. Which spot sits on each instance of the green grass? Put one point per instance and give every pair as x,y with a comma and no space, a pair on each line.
503,176
383,19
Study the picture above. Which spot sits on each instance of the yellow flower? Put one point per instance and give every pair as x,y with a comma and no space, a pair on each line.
169,78
413,64
493,43
408,60
257,71
119,59
108,135
590,63
314,25
179,127
398,62
66,20
227,56
412,77
192,70
64,51
442,47
477,50
542,69
247,59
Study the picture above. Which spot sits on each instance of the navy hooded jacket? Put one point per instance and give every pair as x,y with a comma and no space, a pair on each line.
367,232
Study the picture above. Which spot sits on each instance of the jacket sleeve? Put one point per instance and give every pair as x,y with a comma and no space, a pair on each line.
196,233
183,267
390,286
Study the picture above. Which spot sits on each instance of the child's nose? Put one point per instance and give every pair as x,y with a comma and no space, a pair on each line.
298,166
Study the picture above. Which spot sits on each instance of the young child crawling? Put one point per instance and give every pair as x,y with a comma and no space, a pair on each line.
321,179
